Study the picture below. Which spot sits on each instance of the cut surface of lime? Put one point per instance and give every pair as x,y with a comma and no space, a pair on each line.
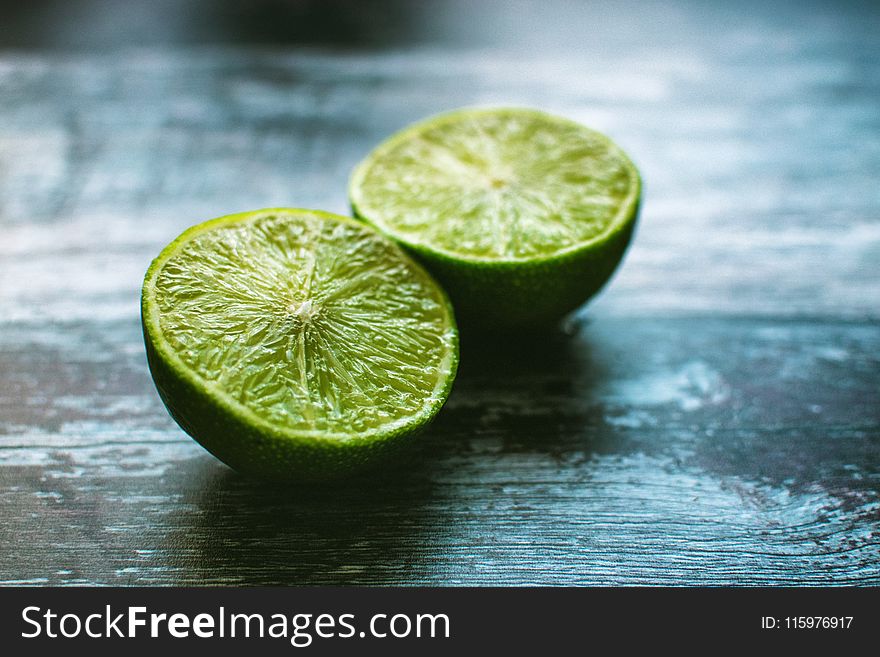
294,343
486,194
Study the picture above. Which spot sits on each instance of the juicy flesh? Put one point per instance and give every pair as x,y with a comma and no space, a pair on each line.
312,324
503,185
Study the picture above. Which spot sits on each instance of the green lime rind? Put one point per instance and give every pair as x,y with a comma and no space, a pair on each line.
526,295
240,437
510,291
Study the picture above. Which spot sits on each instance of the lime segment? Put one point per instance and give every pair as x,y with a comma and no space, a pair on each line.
308,328
485,195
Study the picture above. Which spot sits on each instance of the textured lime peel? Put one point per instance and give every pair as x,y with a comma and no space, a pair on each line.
295,344
522,215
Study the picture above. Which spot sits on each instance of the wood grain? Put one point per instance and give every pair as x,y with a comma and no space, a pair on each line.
713,418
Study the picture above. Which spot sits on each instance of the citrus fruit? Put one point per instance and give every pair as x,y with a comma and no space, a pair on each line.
521,215
296,345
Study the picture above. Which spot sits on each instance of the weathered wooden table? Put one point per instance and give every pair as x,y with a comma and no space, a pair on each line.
713,418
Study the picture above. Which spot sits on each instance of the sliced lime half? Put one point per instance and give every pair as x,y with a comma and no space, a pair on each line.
520,214
296,344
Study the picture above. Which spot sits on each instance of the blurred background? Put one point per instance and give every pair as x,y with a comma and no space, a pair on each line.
753,124
568,26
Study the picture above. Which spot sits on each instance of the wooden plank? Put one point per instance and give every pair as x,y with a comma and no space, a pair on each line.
745,212
697,451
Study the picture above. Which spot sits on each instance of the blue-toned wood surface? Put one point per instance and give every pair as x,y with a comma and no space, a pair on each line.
712,418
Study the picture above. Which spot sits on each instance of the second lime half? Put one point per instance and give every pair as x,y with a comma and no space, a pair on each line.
522,215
